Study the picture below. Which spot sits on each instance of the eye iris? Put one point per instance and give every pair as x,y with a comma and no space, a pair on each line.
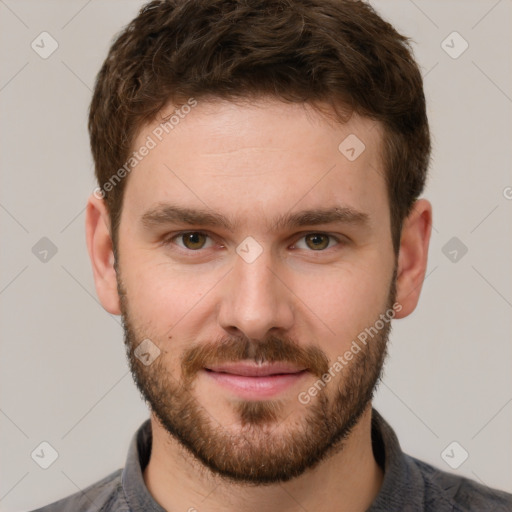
317,241
194,240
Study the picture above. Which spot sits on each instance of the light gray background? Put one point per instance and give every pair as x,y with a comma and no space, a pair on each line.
63,373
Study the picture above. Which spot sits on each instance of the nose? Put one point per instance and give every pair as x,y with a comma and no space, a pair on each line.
255,299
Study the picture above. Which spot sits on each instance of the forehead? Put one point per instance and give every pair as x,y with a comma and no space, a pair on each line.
259,157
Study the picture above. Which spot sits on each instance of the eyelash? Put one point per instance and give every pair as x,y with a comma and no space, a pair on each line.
170,240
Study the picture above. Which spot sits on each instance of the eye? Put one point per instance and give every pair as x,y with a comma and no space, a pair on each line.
192,240
316,241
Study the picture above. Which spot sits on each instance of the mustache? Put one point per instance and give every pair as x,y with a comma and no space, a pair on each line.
271,349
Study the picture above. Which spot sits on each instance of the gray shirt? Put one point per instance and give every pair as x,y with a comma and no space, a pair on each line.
409,484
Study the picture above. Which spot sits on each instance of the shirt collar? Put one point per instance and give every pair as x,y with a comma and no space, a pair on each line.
402,485
132,479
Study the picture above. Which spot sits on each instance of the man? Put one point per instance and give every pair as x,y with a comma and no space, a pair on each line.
258,226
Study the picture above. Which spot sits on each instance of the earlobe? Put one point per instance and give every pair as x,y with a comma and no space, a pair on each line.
99,245
413,256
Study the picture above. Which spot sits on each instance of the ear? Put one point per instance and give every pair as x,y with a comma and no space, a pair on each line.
99,245
412,258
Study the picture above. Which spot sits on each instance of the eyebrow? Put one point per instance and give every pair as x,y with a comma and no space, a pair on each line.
173,214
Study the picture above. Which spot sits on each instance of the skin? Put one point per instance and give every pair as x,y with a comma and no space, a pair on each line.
253,163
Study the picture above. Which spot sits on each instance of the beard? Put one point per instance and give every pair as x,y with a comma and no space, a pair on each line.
263,448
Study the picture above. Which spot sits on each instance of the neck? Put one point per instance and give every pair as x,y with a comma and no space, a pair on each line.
348,480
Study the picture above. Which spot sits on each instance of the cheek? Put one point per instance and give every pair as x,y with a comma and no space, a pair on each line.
342,304
164,298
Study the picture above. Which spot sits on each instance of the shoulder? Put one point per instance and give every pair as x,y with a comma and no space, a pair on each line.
102,496
462,493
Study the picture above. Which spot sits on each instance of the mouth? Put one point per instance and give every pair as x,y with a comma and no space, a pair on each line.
255,370
253,381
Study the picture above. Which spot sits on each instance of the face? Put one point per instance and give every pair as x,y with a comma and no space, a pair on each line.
252,253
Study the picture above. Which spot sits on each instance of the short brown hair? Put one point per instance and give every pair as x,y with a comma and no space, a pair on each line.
338,52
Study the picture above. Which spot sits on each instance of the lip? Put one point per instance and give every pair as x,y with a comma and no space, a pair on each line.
252,381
